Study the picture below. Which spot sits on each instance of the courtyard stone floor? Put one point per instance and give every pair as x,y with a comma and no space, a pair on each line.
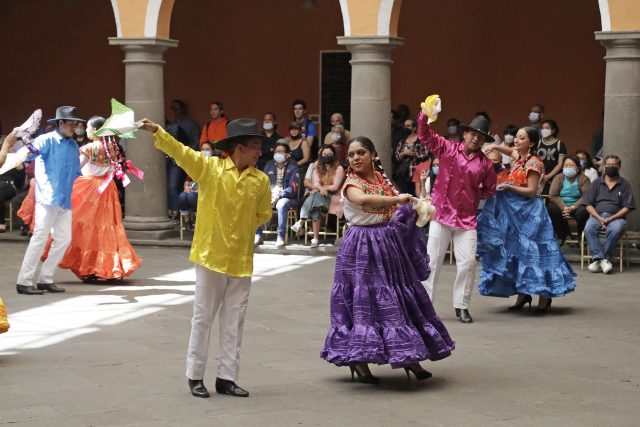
114,355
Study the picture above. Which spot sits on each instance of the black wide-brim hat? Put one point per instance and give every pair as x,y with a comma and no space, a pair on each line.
240,128
479,124
65,112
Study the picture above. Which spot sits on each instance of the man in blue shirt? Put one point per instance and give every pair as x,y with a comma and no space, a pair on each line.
57,165
307,127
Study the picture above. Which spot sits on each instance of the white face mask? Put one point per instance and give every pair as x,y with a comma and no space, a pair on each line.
509,139
79,131
267,125
279,157
534,117
335,136
545,132
206,153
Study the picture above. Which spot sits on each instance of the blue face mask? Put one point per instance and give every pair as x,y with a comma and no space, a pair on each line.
206,153
583,164
278,157
569,172
434,169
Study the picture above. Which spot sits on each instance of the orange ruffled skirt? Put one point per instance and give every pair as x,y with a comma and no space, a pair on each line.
99,244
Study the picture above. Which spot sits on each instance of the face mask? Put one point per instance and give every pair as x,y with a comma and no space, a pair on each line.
452,130
434,169
327,159
534,117
611,171
545,133
509,139
569,172
497,167
78,132
267,126
278,157
206,153
336,136
583,164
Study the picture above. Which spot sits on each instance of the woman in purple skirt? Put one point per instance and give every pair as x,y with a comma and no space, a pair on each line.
380,312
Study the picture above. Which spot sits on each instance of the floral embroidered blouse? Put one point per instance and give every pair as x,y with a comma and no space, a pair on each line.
520,170
364,215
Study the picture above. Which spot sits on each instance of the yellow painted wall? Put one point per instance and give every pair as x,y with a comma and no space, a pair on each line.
363,15
625,15
395,17
132,15
164,20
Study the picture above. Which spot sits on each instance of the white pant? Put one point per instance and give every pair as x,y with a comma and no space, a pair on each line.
47,219
464,246
228,296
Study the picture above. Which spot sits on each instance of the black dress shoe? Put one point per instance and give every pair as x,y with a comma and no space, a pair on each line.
28,290
50,287
463,315
230,388
198,389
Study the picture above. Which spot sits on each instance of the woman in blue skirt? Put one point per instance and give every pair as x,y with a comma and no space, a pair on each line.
380,311
516,244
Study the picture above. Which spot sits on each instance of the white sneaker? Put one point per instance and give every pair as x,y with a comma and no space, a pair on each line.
606,266
314,243
257,240
594,267
280,242
296,227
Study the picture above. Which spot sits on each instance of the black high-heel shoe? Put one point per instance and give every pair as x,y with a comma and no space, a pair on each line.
363,378
518,306
420,375
545,308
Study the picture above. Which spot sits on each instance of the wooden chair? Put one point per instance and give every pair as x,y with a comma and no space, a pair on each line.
324,227
585,252
9,209
292,218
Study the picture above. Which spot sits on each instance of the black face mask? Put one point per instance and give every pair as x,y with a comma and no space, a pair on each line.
611,171
327,160
497,167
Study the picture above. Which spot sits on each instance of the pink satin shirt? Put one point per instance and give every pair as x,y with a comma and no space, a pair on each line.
463,179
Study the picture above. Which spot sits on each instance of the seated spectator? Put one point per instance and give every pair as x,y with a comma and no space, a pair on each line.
298,146
496,159
307,127
336,119
216,129
495,136
409,154
536,114
327,179
270,130
80,134
285,179
188,199
509,136
453,130
586,165
339,141
608,201
566,197
12,181
426,178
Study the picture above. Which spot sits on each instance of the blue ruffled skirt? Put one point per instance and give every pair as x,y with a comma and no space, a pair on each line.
380,311
518,251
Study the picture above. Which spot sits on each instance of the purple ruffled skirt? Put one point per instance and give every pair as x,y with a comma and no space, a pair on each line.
380,311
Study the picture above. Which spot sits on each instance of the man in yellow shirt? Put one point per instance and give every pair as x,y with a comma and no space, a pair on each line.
234,198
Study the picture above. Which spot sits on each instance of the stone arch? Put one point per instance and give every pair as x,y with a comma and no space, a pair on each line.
142,18
370,17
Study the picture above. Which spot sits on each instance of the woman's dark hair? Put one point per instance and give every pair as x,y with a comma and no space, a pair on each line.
96,122
485,115
588,159
453,122
368,145
534,137
511,130
299,102
327,147
575,159
553,125
220,106
209,143
327,172
283,144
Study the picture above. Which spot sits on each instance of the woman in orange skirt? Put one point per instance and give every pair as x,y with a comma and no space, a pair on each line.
99,246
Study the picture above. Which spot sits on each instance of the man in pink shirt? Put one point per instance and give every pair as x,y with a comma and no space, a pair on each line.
465,177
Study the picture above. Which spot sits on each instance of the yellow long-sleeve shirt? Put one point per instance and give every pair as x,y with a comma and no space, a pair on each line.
230,207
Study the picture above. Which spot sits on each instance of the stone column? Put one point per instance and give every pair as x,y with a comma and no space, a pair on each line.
146,201
371,90
622,107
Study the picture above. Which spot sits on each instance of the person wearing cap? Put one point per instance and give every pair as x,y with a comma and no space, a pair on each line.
57,165
234,199
465,177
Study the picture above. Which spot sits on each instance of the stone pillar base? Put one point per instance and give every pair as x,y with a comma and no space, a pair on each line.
154,228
